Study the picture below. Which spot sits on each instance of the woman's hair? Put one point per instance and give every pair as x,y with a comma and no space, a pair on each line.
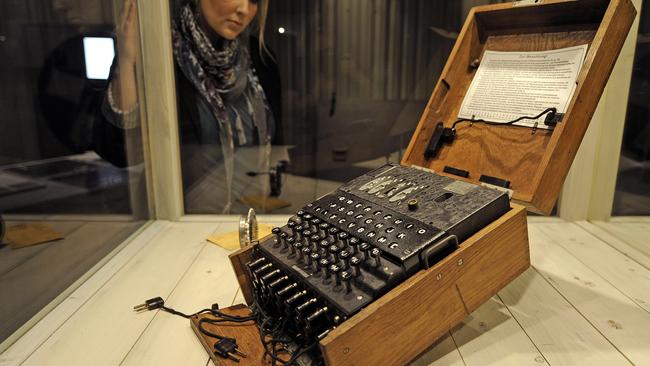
262,13
260,23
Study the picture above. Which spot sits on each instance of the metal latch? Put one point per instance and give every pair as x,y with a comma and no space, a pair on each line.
527,2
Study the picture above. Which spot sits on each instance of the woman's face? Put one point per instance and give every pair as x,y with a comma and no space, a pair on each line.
229,17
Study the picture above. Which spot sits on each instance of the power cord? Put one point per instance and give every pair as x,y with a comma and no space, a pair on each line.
445,135
225,347
272,331
548,121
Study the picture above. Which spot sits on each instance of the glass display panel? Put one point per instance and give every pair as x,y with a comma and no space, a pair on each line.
632,196
72,181
345,84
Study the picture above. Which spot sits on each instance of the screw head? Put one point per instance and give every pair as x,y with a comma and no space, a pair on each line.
439,276
460,262
346,350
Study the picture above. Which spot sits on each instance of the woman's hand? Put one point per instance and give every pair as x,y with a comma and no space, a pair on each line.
127,33
123,86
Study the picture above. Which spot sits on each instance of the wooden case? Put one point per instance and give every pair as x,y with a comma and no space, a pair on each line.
535,164
403,323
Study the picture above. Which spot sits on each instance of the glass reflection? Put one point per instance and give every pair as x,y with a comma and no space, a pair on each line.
229,107
352,79
632,196
72,184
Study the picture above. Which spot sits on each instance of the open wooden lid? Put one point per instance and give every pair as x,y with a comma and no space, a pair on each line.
535,164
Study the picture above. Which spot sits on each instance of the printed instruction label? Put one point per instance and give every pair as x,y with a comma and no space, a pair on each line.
508,85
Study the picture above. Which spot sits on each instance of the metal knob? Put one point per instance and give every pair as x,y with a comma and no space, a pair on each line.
314,224
288,243
315,257
306,234
344,256
291,225
284,291
277,282
334,252
269,276
262,269
314,239
335,269
324,263
354,244
316,314
302,308
278,240
347,278
254,264
298,247
376,254
306,255
298,232
294,298
344,237
322,228
365,248
333,232
355,263
324,244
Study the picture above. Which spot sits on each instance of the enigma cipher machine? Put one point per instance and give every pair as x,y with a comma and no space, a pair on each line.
374,272
348,248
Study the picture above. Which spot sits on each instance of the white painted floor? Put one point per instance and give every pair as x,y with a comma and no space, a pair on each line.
586,301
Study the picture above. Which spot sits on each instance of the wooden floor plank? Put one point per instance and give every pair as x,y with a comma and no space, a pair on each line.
615,316
239,298
36,336
642,219
443,353
105,328
490,336
598,229
210,279
28,287
635,234
12,258
560,333
574,308
628,276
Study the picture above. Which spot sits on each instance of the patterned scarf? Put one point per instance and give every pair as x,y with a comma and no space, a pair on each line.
219,74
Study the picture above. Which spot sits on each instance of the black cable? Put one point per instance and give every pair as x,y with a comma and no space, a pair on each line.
209,333
272,327
214,312
186,316
492,123
299,353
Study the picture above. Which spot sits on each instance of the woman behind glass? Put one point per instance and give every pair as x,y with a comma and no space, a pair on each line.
228,100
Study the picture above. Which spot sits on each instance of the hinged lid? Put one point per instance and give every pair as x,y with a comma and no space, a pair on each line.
535,164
